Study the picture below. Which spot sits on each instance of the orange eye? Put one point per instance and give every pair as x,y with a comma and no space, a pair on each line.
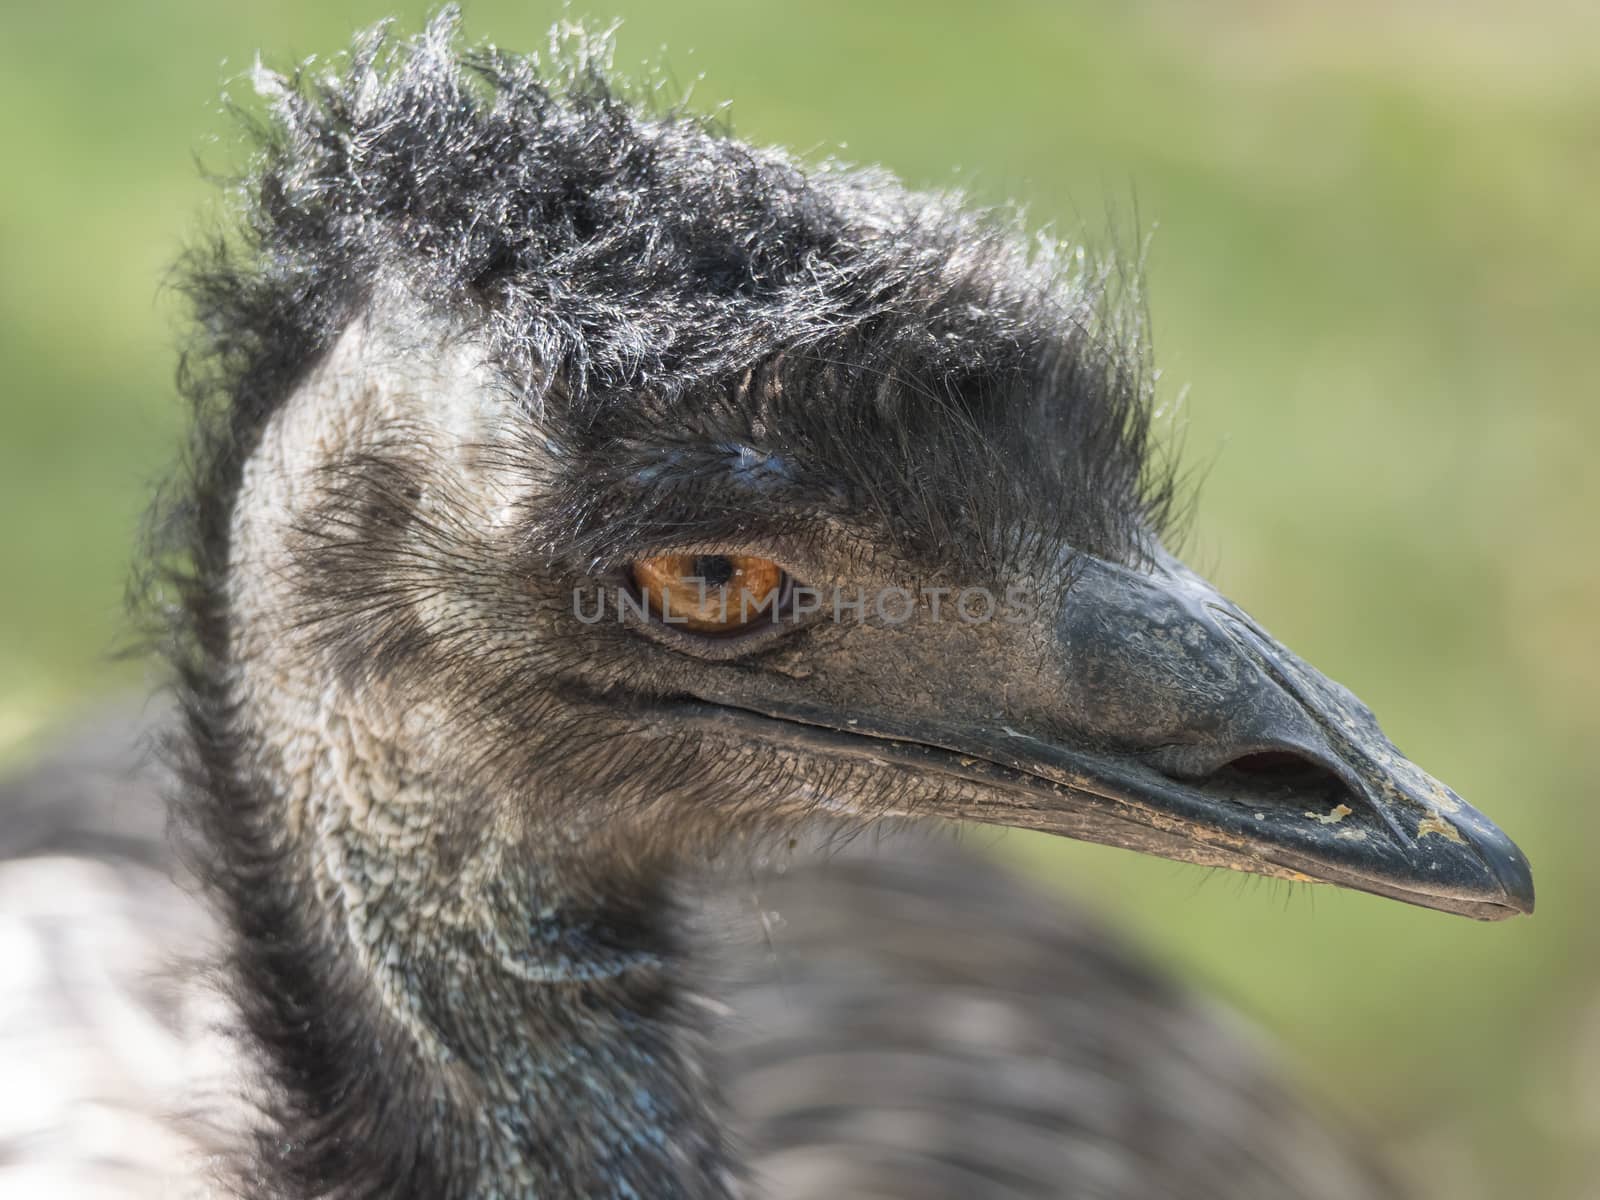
709,593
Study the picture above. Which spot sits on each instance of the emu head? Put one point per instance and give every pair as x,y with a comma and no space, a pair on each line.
508,356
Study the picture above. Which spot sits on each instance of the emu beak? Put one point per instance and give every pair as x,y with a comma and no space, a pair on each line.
1249,757
1164,720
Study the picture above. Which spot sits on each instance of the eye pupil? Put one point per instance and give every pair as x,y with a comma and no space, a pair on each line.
715,569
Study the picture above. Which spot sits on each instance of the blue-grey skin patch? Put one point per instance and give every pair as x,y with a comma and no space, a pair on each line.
747,467
753,469
656,470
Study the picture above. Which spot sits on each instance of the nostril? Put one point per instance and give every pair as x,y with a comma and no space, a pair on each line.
1273,775
1271,762
1281,775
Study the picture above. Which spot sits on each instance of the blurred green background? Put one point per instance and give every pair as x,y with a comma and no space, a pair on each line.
1375,269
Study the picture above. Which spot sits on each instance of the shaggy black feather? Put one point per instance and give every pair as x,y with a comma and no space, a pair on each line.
648,280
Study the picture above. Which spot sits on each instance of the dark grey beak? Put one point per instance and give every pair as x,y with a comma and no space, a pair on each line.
1211,729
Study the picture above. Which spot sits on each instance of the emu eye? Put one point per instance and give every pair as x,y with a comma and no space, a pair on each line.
710,593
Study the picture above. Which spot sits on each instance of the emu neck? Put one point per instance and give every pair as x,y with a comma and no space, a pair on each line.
449,1018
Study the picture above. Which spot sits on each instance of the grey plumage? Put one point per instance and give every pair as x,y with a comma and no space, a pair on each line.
927,1026
106,1040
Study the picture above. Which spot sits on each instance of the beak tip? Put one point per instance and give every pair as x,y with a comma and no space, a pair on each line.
1505,871
1515,876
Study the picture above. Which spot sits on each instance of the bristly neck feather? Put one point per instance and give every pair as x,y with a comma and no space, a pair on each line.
493,1027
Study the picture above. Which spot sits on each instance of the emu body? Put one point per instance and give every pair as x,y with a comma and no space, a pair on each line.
894,1017
494,335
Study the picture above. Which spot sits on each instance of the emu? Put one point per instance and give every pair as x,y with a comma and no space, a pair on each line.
499,349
